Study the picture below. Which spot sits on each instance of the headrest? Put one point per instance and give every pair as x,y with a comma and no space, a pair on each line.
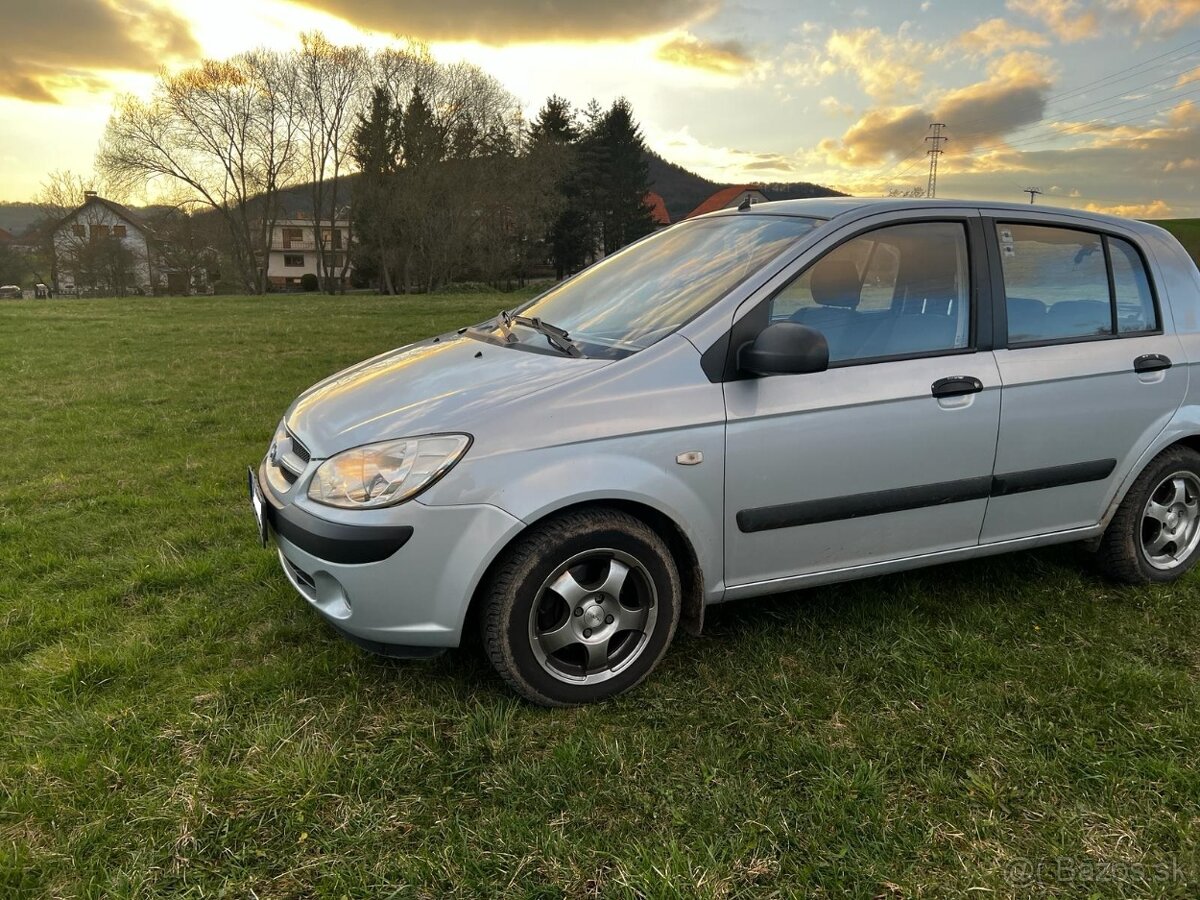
835,282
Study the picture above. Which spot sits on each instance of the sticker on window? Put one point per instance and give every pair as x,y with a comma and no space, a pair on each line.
1006,236
1010,249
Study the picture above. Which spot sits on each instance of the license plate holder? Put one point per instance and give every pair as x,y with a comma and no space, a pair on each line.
258,503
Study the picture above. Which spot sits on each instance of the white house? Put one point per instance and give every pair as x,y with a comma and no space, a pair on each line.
294,251
104,248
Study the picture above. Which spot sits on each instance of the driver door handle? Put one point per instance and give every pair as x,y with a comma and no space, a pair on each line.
956,386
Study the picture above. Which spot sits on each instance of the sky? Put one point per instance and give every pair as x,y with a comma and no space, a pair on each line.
1095,102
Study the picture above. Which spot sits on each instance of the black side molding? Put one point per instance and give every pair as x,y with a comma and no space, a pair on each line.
813,512
1151,362
853,506
1052,477
333,541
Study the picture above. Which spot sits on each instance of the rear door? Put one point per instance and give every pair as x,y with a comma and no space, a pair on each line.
1090,376
887,454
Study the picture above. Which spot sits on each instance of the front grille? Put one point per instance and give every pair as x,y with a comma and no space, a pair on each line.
299,449
288,475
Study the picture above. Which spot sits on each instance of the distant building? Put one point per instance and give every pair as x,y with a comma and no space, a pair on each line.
730,198
658,209
6,236
101,247
294,251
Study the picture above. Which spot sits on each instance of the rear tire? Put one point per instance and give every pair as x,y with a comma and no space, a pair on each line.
1155,535
581,608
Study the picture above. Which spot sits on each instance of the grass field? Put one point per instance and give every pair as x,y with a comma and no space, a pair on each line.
1186,231
175,721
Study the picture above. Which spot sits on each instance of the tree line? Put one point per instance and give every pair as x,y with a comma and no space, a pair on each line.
437,171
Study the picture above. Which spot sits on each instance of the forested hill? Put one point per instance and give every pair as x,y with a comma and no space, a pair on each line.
683,191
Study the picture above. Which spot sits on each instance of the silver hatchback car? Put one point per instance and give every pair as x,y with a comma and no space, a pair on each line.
749,402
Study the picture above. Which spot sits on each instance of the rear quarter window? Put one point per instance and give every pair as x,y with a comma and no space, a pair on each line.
1135,303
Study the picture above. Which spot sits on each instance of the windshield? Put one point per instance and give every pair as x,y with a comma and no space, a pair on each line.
640,295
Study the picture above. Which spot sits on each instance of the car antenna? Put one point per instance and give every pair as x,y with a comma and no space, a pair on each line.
745,204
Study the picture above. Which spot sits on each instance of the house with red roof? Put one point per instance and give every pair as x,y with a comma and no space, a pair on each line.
730,198
658,209
6,236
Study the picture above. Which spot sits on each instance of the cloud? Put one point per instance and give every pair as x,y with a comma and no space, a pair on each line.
721,57
886,66
720,163
518,21
1157,17
999,35
1075,20
23,87
836,107
1070,20
1188,77
1156,209
55,45
1012,95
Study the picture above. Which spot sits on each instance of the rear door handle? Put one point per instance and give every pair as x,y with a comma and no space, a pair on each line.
955,386
1151,362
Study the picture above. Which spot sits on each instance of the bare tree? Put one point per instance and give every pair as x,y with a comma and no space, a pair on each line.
228,132
334,86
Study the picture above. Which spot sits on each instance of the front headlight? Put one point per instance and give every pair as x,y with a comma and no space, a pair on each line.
387,473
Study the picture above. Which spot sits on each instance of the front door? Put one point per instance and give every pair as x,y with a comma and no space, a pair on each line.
888,454
1090,377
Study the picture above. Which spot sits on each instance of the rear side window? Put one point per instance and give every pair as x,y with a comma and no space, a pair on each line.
1064,284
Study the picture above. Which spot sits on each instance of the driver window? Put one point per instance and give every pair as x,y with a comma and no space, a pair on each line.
890,292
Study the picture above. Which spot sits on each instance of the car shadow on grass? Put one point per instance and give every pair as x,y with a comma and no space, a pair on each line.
984,597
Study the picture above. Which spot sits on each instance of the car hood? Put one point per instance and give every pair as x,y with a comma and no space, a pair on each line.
443,384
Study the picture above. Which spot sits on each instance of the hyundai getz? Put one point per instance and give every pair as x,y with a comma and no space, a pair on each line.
749,402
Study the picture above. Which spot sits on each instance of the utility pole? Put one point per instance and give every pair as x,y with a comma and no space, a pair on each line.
1032,192
934,152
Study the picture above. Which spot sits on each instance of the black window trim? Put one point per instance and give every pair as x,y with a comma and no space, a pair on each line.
748,326
1000,295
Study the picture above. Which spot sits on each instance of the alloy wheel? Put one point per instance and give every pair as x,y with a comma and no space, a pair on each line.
593,616
1170,527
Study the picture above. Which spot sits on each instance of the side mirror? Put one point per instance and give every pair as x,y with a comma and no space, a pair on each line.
785,348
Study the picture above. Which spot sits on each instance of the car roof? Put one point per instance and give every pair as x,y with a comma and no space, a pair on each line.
836,207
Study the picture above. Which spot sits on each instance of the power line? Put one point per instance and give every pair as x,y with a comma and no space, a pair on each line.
1075,128
886,171
1104,103
1083,88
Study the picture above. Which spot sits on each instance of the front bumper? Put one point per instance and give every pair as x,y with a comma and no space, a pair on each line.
399,588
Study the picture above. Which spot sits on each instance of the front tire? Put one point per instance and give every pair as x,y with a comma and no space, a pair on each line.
1155,534
581,608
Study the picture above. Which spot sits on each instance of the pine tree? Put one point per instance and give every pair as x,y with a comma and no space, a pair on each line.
555,137
555,122
623,177
422,140
376,148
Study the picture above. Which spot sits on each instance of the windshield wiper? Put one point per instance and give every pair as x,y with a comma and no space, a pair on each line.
558,338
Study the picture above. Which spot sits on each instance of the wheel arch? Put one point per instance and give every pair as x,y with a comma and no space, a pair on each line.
691,575
1185,435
